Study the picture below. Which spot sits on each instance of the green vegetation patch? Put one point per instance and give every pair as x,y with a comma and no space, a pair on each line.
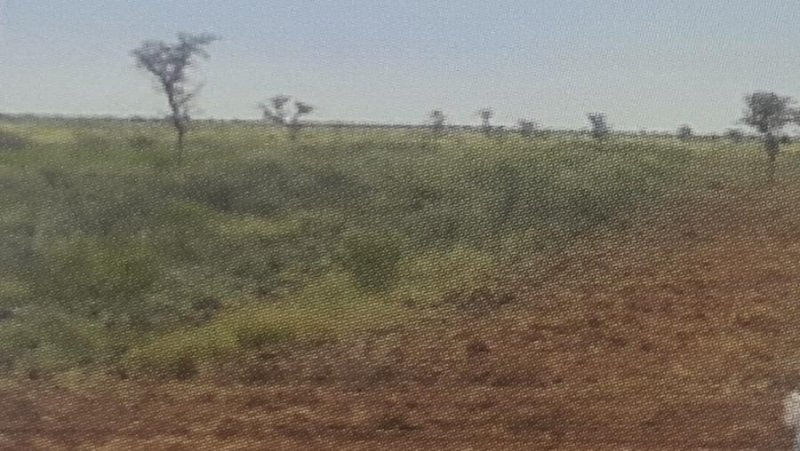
252,238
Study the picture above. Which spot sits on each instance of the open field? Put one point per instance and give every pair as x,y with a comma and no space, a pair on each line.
382,290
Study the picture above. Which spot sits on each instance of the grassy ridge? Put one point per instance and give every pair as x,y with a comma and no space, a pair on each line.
111,251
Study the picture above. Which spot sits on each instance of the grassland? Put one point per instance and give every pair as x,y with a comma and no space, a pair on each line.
114,253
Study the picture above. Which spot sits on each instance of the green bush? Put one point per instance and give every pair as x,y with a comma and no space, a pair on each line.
371,258
329,308
428,278
47,341
97,278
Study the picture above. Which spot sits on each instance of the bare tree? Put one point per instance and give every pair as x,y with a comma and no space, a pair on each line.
276,110
169,63
768,113
486,115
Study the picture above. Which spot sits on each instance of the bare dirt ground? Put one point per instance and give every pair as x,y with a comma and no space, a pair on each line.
679,332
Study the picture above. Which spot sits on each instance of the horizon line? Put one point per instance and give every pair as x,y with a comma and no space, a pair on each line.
353,123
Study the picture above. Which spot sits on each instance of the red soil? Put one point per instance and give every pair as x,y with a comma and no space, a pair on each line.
679,332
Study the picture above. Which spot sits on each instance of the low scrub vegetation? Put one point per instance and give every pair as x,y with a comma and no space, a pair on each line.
115,253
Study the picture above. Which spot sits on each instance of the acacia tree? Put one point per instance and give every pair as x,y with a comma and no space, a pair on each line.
276,110
169,63
768,113
486,117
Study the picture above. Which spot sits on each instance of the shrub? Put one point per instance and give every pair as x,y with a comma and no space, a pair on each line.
179,354
47,340
329,308
371,258
95,278
428,278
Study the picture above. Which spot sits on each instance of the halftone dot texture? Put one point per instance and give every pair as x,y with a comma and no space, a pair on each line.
383,288
551,276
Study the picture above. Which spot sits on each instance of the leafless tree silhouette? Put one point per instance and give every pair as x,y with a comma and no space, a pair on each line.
169,64
276,111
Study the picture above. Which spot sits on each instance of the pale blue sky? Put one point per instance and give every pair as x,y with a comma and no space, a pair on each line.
647,63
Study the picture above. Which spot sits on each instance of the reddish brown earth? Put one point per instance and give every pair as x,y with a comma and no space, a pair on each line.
679,332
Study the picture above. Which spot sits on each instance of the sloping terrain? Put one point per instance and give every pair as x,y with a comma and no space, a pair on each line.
680,330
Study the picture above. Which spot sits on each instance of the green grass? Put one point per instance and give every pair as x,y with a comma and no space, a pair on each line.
324,310
251,239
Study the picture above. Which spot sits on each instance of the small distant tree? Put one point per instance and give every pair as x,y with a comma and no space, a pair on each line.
685,132
437,119
170,63
600,129
526,127
768,113
486,115
734,134
276,111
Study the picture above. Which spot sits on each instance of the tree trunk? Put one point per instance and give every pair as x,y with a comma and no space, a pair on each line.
179,118
771,169
179,144
772,147
293,128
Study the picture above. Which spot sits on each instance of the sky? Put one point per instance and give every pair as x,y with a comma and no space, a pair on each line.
647,64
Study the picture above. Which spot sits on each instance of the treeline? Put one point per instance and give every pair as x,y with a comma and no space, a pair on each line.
735,135
170,65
